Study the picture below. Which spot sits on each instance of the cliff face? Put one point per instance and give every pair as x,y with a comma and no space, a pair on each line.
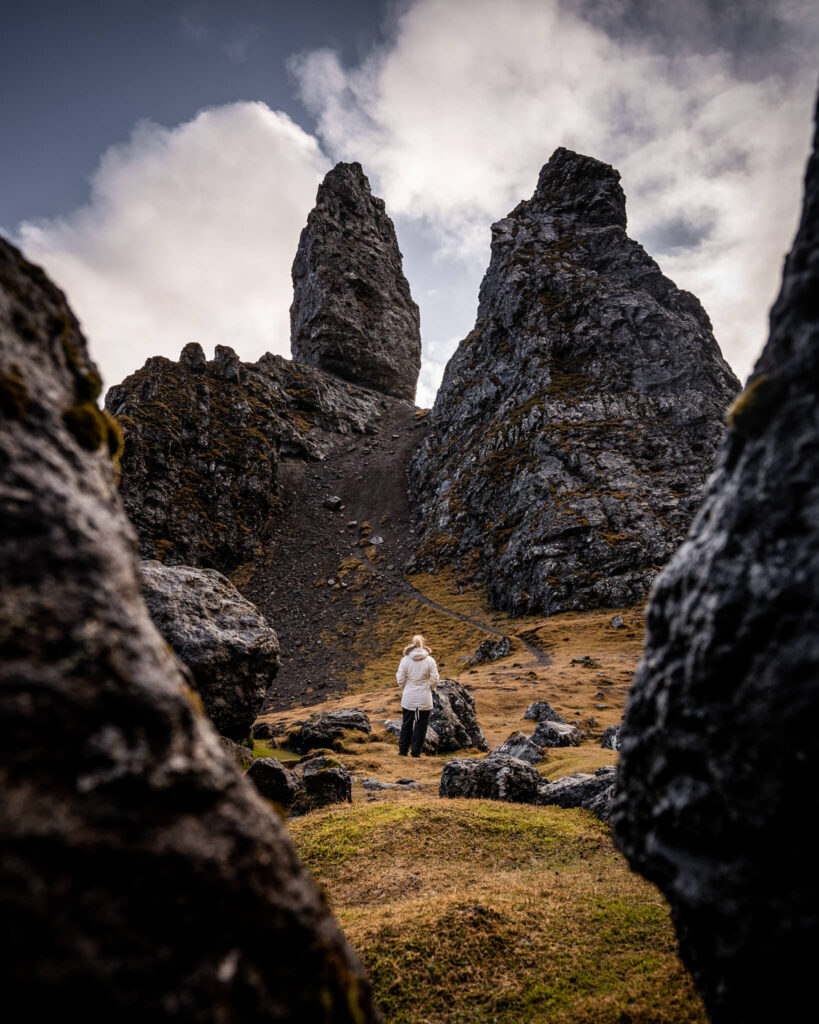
578,422
141,877
720,746
352,312
203,442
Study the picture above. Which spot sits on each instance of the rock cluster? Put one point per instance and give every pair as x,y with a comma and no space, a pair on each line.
200,470
719,746
317,781
577,423
552,729
352,312
231,651
141,878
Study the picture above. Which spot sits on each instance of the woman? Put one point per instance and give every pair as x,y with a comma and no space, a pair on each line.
418,674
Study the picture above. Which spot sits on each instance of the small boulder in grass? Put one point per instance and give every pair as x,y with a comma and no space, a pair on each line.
274,781
542,711
496,777
557,734
323,728
326,781
611,738
591,792
519,745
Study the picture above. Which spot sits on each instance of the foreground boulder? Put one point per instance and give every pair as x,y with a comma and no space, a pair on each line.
497,777
520,746
141,877
591,792
352,312
325,728
580,417
720,746
231,651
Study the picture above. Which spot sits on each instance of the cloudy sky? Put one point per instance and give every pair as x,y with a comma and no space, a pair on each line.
159,159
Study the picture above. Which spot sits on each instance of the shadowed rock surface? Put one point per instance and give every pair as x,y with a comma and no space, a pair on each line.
719,745
556,734
231,651
496,777
326,781
611,738
591,792
577,423
141,876
274,781
352,312
324,728
209,445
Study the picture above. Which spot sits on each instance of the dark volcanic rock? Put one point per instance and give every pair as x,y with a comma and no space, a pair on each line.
577,424
542,711
323,728
231,651
352,311
240,754
720,744
141,877
274,781
591,792
611,738
491,650
204,442
453,724
326,781
520,746
556,734
497,777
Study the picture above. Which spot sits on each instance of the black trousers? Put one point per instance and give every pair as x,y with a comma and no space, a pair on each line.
413,725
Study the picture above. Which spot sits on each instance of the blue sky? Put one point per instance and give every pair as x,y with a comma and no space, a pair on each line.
160,159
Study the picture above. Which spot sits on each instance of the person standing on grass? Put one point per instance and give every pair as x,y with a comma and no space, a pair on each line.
418,674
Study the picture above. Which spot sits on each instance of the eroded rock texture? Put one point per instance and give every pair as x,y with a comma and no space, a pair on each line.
352,311
576,425
204,442
719,747
232,652
141,877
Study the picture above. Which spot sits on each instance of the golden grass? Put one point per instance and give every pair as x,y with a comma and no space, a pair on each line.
472,911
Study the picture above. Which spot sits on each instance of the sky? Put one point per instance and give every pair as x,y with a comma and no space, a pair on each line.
159,159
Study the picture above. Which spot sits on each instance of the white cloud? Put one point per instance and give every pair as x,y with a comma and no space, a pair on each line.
189,235
455,116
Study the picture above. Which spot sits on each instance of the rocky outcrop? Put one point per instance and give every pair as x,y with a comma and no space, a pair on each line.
206,442
231,651
542,711
556,734
325,729
497,777
591,792
352,312
123,824
577,423
719,744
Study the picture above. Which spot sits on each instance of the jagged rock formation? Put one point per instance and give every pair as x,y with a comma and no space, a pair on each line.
232,653
611,738
577,423
491,650
591,792
496,777
141,877
352,312
719,746
542,711
203,443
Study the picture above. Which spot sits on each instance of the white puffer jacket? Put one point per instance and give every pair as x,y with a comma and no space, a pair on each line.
418,674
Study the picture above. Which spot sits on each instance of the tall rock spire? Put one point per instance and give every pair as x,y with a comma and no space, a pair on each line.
577,423
352,312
